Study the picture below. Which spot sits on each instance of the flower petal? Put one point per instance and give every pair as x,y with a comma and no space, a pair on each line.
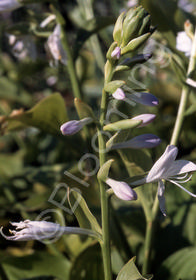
180,167
161,166
122,190
161,190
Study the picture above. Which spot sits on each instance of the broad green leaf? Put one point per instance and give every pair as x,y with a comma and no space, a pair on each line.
47,115
38,264
130,272
88,265
180,265
81,211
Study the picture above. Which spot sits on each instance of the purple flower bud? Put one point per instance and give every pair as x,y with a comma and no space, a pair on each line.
122,190
72,127
144,98
116,53
146,119
139,142
119,94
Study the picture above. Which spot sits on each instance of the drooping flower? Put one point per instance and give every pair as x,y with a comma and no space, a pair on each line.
9,5
139,142
121,189
146,119
168,169
183,43
33,230
116,53
40,230
72,127
55,48
143,98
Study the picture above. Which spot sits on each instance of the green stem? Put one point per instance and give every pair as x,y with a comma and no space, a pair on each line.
71,67
150,228
104,197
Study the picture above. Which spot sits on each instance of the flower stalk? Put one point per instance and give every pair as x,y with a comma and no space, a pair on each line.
104,197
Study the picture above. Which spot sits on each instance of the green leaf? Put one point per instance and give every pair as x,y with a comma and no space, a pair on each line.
47,115
180,265
88,265
38,264
130,272
81,211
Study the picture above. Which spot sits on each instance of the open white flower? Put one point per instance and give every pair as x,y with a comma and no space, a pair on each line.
169,169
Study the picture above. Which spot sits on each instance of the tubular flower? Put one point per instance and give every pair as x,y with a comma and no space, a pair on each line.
72,127
9,5
168,169
121,189
40,230
139,142
34,230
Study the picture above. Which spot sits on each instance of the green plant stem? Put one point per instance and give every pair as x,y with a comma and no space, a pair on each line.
70,62
71,67
150,231
150,228
104,197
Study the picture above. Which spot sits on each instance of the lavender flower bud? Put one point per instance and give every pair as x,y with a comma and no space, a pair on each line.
116,53
121,189
72,127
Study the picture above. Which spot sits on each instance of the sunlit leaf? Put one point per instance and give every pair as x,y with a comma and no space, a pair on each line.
47,115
